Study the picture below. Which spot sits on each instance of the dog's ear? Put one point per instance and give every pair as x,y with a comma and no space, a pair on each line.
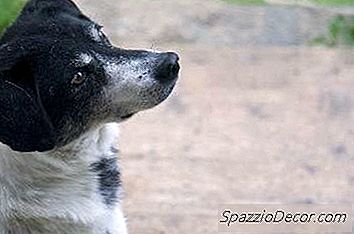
24,125
49,7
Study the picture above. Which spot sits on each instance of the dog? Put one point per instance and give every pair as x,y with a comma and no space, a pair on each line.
63,89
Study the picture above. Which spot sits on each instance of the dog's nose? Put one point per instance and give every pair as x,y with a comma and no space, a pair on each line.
168,67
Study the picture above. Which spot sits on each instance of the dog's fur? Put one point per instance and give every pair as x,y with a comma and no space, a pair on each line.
63,89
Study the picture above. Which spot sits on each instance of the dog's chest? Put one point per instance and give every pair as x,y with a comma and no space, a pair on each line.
75,189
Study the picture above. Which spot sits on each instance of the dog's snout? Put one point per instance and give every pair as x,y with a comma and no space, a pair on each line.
168,67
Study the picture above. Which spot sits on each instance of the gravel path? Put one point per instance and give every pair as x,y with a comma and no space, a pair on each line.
249,125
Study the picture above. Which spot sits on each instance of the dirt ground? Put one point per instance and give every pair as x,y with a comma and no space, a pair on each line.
251,124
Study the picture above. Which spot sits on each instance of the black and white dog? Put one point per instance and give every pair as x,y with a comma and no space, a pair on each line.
63,88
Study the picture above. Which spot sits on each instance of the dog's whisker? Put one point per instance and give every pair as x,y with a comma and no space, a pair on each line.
20,88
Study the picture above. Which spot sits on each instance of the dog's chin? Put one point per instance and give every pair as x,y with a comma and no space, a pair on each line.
145,102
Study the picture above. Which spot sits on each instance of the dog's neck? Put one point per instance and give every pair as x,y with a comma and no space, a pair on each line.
63,184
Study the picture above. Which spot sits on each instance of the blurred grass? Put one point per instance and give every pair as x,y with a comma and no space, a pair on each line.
318,2
340,32
334,2
247,2
9,9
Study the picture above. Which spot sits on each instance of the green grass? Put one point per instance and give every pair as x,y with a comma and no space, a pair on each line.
340,32
9,9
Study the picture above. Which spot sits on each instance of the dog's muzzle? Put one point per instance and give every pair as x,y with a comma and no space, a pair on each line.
140,80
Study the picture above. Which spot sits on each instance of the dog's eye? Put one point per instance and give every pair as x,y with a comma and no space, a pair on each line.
78,79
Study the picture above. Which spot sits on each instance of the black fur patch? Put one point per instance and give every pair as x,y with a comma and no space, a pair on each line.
109,179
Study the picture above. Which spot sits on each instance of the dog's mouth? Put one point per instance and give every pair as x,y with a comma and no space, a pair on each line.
142,100
125,117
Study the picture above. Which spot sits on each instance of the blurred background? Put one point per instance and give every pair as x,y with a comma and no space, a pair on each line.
263,111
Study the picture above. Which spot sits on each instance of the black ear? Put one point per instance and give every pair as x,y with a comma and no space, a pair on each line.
24,125
49,8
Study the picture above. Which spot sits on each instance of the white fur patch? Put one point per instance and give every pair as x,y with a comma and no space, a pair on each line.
95,33
56,190
83,59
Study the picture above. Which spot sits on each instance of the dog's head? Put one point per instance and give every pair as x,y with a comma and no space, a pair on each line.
60,76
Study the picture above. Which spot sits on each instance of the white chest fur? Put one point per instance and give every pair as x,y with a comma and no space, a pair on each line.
58,191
